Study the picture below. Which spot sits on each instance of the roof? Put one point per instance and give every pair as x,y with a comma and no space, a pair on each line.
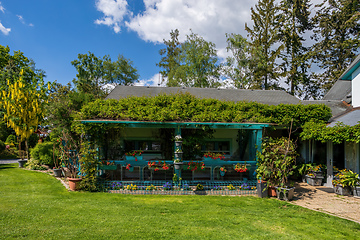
271,97
350,118
347,75
341,90
337,107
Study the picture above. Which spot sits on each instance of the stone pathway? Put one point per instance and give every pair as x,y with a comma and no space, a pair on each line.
324,199
8,161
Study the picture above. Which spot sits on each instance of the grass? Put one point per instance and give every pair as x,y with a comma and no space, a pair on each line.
35,205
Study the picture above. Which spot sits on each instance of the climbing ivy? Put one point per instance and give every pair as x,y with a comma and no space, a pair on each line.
337,134
187,108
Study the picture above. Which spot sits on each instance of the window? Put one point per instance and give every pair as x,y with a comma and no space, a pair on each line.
216,146
148,146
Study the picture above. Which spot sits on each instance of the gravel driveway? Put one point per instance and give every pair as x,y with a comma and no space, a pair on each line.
324,199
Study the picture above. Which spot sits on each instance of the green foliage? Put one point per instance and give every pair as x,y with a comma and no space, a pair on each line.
187,108
170,55
295,20
11,65
199,187
43,152
193,64
237,65
94,73
337,37
11,140
276,161
89,168
34,164
2,146
337,134
265,51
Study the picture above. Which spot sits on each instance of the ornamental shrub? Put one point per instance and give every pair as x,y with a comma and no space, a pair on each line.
2,146
11,140
43,152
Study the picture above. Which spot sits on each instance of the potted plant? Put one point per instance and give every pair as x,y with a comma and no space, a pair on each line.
134,155
56,169
223,170
240,167
213,156
178,141
195,165
156,166
276,163
69,152
345,182
177,164
178,153
108,165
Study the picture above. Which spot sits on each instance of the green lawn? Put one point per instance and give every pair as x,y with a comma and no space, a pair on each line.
35,205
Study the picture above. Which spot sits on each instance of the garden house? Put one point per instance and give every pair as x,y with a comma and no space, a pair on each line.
218,129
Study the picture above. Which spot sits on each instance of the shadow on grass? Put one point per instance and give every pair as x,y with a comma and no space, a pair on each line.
6,166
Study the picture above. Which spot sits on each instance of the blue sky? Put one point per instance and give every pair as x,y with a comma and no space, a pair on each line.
54,32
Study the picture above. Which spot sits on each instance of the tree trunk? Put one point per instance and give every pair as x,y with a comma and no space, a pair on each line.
27,149
21,155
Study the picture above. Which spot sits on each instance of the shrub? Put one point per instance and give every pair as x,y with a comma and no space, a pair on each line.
43,152
11,140
2,146
34,164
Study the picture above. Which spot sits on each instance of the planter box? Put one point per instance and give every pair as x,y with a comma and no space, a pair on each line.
356,191
178,155
314,181
108,167
318,174
131,158
177,165
57,172
22,163
261,189
345,191
286,194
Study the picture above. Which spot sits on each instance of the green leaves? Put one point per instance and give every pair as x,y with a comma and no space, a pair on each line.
187,108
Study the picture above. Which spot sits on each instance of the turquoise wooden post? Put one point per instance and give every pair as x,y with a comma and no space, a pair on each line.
177,132
258,145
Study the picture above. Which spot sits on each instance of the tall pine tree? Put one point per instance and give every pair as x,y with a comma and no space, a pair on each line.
337,36
265,51
295,21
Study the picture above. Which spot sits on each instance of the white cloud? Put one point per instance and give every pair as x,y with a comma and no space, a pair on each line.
210,19
2,8
23,21
4,30
114,12
153,81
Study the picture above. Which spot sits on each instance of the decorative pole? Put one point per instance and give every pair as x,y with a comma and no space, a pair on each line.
178,152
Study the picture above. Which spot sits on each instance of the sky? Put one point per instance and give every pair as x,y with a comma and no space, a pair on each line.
54,32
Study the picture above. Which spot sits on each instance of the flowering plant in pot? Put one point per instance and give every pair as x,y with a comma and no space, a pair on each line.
195,165
276,163
156,166
214,156
240,167
346,181
134,155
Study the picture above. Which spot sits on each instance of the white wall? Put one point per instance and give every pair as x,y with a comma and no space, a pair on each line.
355,86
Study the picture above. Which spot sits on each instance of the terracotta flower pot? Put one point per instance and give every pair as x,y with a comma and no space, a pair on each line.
74,183
272,192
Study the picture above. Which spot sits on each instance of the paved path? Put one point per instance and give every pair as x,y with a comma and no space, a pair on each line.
8,161
324,199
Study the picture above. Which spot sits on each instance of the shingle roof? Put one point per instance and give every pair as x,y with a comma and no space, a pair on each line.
341,90
271,97
350,118
337,107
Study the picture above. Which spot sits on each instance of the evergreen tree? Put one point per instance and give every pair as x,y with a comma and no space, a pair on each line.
295,21
237,65
337,36
264,36
170,55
